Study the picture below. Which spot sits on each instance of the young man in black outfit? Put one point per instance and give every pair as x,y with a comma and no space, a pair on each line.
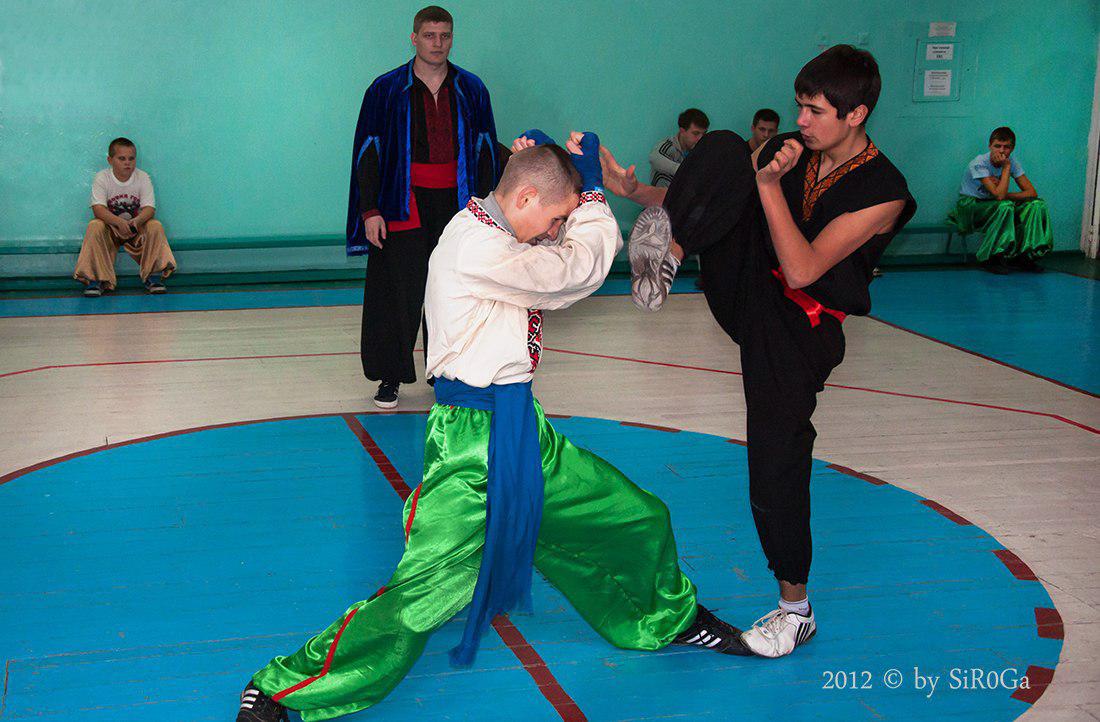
788,238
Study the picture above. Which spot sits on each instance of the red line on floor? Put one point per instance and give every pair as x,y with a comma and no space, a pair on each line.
547,684
539,671
857,474
393,476
178,432
180,361
985,358
1016,565
654,427
941,509
900,394
1038,678
1048,623
4,696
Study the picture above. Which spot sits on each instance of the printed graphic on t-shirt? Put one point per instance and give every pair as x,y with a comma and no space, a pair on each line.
125,205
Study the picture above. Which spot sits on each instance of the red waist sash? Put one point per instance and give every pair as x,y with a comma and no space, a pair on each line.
812,308
425,175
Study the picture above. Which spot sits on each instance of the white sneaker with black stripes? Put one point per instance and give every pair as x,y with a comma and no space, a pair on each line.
710,632
258,707
777,633
652,267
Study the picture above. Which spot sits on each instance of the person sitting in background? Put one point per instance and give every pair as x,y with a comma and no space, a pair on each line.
123,205
669,153
1015,225
765,124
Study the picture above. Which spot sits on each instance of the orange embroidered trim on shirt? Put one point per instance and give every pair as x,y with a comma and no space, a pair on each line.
812,188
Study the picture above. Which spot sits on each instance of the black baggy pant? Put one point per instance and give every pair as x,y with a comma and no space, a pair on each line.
715,212
393,294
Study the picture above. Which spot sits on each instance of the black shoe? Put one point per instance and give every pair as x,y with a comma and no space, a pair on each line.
386,398
710,632
1026,264
996,265
258,707
154,284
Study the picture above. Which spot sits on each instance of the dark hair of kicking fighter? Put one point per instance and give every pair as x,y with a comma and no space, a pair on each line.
848,78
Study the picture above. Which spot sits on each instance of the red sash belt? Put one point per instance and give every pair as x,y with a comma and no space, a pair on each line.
812,308
435,175
425,175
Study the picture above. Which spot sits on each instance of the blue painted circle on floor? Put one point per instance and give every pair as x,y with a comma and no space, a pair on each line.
150,580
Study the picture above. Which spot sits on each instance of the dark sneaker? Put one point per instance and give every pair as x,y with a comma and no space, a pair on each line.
710,632
386,398
778,632
93,290
996,265
652,267
258,707
154,284
1026,264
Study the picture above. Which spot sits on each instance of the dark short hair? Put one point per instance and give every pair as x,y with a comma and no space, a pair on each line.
120,141
432,14
767,115
1003,133
848,78
547,167
693,116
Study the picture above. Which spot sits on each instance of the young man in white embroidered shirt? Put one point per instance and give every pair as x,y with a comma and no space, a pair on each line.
502,491
123,206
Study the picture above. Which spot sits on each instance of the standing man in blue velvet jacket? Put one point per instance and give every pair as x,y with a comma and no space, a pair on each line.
425,144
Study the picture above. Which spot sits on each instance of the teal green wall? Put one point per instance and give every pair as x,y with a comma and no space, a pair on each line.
243,111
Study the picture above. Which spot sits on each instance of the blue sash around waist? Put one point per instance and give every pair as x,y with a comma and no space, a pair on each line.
513,504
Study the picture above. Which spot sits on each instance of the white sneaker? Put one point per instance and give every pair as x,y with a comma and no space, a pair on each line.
777,633
652,267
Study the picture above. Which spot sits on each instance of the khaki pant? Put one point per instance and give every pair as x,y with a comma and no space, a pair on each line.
97,253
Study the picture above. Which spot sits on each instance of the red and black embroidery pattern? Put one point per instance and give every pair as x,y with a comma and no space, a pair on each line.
812,188
534,337
437,119
592,197
481,214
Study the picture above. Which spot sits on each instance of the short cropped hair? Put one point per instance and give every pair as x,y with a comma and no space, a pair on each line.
693,116
767,115
117,143
848,78
1003,133
547,168
432,14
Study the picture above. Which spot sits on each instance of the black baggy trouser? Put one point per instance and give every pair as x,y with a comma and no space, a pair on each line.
715,212
393,294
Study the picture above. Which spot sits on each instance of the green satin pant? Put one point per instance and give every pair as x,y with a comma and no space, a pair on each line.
1009,228
606,544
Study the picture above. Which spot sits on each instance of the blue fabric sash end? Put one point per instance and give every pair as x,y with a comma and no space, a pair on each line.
513,504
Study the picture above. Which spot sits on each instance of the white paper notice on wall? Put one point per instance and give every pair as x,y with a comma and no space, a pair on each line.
939,51
937,83
941,30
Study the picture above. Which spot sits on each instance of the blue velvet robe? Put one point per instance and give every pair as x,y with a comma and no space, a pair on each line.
385,122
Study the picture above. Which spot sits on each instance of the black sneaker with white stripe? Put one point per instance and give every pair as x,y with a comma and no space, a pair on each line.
258,707
710,632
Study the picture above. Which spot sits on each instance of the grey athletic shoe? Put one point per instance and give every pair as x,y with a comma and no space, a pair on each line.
652,267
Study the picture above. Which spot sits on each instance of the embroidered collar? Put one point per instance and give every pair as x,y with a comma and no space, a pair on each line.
473,206
812,188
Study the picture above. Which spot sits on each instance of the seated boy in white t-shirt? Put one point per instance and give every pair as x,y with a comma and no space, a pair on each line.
123,205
